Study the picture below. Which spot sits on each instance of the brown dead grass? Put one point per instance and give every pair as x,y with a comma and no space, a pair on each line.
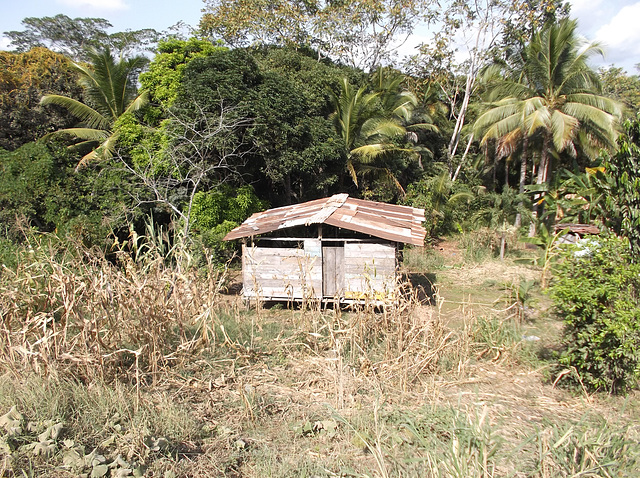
253,391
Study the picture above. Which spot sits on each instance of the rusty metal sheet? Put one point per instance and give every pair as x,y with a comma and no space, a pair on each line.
581,229
386,221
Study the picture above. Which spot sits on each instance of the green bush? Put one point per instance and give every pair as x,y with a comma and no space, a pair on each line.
217,211
446,204
597,293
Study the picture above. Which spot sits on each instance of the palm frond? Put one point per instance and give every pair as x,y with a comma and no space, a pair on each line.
87,134
539,119
138,103
563,128
103,152
84,113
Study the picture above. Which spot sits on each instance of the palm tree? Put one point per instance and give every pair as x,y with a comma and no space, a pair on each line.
366,133
374,125
110,91
555,95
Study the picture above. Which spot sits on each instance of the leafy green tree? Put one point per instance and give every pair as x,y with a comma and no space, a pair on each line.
362,33
37,182
164,75
288,146
617,84
110,91
622,186
75,37
217,211
368,130
24,78
555,95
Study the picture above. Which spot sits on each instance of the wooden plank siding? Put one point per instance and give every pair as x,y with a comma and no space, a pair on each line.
350,270
282,272
370,270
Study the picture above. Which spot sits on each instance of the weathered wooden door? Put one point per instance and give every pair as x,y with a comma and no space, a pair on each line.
332,271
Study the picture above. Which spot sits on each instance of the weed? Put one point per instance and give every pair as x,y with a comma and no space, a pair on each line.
422,259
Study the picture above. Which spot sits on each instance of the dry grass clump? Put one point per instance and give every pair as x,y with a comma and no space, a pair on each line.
66,307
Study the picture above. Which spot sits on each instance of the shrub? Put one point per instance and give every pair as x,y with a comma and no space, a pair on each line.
446,204
217,211
597,293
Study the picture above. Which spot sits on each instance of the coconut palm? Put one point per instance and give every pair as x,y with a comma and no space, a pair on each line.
110,91
375,125
366,133
555,95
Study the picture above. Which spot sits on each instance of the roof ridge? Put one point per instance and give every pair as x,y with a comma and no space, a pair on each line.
333,203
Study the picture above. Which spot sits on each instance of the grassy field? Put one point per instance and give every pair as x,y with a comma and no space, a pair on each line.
142,369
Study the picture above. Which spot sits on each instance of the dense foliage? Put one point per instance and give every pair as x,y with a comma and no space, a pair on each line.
24,78
38,187
596,291
622,188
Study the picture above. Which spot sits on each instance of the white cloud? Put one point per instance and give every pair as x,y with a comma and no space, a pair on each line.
580,7
621,36
623,28
106,5
4,43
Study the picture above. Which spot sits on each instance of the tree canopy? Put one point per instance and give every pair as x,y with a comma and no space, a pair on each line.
75,37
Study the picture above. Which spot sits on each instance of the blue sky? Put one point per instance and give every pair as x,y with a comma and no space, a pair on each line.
615,23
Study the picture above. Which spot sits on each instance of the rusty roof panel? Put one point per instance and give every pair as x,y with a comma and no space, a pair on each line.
387,221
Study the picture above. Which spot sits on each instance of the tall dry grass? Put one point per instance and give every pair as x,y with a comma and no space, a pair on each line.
67,308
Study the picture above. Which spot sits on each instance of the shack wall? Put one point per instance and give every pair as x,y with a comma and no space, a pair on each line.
361,270
370,270
282,272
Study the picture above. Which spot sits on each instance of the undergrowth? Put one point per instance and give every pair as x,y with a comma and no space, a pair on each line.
141,366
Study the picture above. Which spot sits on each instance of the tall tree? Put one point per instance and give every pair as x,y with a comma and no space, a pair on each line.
379,125
481,30
625,88
110,91
24,78
74,37
556,95
367,134
362,33
622,187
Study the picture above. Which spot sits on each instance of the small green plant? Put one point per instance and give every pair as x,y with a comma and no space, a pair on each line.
518,296
597,292
550,245
478,245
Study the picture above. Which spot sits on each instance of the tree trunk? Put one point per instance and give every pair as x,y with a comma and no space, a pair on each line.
506,173
523,177
457,129
288,193
491,155
540,180
466,151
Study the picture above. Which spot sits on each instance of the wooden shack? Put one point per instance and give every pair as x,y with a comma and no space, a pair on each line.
337,248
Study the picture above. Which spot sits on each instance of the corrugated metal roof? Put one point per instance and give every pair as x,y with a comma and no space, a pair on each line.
581,229
387,221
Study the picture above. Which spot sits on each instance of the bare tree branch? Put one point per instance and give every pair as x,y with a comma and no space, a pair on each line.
202,149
